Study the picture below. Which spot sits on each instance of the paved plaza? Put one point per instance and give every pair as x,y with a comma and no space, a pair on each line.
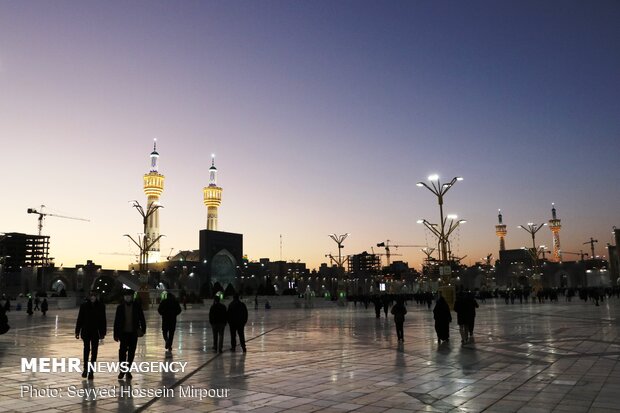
551,357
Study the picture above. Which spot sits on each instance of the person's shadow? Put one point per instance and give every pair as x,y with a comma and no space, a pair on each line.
125,398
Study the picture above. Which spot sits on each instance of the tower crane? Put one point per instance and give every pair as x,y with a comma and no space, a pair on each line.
580,253
46,214
387,247
591,242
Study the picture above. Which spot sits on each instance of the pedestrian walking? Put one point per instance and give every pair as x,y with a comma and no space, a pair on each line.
378,305
29,307
399,310
44,306
37,301
465,308
91,327
4,321
217,319
169,308
443,318
237,317
129,324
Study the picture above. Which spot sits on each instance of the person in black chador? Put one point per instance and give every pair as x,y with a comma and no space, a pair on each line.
44,306
91,327
129,324
443,318
237,317
399,310
169,309
217,319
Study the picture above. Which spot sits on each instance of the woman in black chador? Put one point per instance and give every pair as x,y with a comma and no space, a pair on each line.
91,327
443,318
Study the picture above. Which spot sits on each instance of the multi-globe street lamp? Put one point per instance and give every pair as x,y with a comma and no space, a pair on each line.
444,229
532,229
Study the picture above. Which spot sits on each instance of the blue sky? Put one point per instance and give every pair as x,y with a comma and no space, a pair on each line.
323,116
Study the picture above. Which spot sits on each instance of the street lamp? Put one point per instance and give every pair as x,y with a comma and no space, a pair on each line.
440,190
144,243
532,229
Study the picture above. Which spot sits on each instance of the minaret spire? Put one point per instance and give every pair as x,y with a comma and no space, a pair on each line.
500,230
555,225
212,196
153,188
154,157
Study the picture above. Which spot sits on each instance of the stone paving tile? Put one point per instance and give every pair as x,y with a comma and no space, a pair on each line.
560,357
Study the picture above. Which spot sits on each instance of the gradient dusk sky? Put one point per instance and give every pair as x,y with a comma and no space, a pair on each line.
323,116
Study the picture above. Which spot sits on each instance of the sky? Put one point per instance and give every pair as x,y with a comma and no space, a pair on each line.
323,115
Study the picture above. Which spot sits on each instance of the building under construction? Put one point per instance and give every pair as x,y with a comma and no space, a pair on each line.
19,250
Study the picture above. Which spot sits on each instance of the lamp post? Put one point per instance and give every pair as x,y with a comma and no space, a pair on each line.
444,229
440,190
339,239
532,229
144,243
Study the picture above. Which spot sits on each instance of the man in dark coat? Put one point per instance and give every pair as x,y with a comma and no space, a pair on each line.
91,326
169,309
399,310
217,319
237,317
465,308
443,318
129,324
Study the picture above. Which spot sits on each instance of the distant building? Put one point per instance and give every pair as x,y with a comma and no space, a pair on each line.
19,250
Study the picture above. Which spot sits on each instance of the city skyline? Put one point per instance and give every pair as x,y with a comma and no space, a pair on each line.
323,118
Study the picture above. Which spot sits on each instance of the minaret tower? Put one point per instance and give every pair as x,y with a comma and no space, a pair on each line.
500,231
212,197
153,188
555,226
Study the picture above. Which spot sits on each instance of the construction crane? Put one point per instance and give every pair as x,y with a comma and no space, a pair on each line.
380,254
387,247
580,253
45,214
591,242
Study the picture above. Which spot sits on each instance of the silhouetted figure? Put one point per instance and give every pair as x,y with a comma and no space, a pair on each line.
465,308
129,324
169,308
386,304
217,319
36,303
29,308
429,299
4,321
237,317
6,303
399,310
256,302
378,305
91,326
44,306
443,318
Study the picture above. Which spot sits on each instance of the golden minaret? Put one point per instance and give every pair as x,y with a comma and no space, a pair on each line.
500,231
555,225
212,197
153,188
